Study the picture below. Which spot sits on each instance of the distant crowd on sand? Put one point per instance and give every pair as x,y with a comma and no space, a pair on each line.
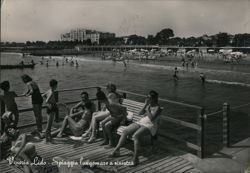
72,61
83,120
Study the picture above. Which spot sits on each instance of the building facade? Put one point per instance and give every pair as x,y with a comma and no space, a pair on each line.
85,34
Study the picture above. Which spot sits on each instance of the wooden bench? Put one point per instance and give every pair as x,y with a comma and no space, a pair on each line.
135,107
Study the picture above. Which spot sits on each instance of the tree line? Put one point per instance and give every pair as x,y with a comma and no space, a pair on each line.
164,37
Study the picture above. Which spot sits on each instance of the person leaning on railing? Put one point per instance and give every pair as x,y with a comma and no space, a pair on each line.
148,123
36,99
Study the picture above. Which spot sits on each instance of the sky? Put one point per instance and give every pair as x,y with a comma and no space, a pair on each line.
23,20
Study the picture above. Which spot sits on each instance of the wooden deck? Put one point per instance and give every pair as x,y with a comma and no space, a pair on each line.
66,148
161,160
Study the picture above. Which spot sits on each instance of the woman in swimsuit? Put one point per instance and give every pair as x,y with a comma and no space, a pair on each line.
148,123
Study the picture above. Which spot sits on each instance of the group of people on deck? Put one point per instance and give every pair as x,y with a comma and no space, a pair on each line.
83,119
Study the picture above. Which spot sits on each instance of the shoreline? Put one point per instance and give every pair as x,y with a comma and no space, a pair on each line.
193,72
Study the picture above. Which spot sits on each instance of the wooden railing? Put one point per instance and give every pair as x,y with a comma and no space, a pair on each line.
226,122
199,127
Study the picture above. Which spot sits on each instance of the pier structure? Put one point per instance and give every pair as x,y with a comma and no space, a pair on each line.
108,48
164,158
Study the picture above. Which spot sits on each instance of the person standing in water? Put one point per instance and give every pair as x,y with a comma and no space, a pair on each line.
176,78
203,78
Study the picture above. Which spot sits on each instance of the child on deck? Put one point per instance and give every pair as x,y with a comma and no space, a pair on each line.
51,107
9,100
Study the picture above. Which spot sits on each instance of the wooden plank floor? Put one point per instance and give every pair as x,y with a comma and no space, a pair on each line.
160,161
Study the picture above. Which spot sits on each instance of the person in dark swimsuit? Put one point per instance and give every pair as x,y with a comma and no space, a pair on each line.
176,78
9,100
203,78
36,99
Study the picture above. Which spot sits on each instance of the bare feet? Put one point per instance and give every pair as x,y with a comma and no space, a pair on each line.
91,140
115,154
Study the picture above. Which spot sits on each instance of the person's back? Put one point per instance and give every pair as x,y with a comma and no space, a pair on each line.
8,97
36,94
117,110
113,97
9,100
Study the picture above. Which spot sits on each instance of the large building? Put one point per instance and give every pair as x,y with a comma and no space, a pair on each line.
85,34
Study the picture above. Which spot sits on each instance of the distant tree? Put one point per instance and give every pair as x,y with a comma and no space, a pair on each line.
190,41
88,42
163,36
176,41
135,39
241,40
223,39
151,40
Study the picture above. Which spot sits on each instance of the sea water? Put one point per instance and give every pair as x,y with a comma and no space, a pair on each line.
222,86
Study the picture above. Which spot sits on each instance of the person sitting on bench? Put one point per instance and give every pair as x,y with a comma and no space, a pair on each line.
148,123
118,114
113,97
77,128
81,105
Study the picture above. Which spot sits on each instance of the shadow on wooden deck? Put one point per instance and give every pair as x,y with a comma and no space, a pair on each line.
70,150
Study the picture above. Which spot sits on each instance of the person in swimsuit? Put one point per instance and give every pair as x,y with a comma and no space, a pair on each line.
9,100
176,78
113,96
148,123
81,104
17,146
203,78
24,150
77,128
36,99
118,113
51,107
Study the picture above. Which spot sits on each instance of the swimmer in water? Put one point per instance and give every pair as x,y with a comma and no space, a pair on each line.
203,78
176,78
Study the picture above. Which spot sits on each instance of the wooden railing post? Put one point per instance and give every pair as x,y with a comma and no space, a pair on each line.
2,110
201,133
56,93
124,95
226,125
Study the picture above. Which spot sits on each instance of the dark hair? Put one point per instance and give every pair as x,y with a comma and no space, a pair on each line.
101,96
88,105
154,95
14,135
85,93
26,78
5,85
52,82
112,87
